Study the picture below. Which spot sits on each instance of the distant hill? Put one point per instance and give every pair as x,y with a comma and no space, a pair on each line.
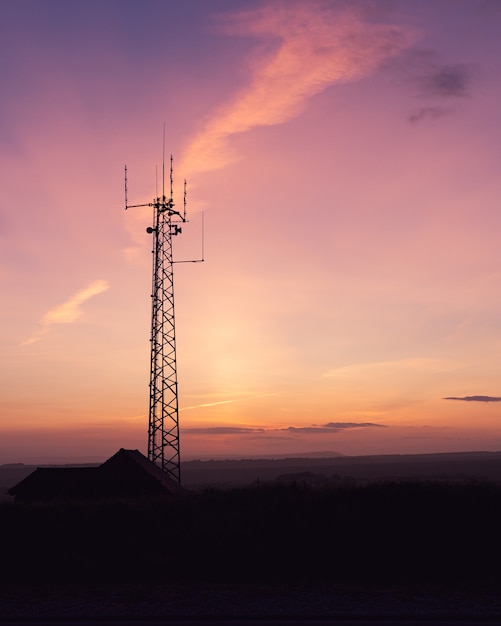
331,466
449,466
13,473
326,454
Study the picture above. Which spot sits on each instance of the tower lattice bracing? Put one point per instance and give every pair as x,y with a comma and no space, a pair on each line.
163,422
163,419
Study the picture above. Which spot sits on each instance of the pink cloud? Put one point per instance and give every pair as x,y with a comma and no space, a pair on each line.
68,312
305,47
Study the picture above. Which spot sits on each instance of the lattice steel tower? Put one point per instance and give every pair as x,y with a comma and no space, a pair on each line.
163,421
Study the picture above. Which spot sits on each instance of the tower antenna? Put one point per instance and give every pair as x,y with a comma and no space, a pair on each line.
171,177
184,199
163,168
125,185
163,417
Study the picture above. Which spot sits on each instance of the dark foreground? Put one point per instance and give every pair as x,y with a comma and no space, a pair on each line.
407,549
234,603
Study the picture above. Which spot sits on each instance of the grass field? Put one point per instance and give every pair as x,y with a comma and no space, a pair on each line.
394,532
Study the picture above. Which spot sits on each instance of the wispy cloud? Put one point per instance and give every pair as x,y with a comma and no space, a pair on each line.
433,80
475,398
348,425
218,402
207,404
223,430
429,77
446,81
439,83
429,113
331,427
68,312
305,46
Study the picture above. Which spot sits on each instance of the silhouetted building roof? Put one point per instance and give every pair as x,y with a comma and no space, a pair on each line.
127,474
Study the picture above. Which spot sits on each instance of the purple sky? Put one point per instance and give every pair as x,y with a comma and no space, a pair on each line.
346,156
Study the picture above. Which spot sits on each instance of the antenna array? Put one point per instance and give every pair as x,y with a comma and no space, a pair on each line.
163,420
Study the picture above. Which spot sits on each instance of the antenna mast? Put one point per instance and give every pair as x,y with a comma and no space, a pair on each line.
163,421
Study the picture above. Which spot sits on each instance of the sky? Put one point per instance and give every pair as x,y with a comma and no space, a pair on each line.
344,157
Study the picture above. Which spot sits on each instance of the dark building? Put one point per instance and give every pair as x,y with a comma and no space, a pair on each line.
127,474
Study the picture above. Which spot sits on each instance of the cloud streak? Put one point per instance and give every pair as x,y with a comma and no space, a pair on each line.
305,47
68,312
218,402
475,398
429,113
330,427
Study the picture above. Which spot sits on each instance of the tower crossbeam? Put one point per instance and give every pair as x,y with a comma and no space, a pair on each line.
163,420
163,415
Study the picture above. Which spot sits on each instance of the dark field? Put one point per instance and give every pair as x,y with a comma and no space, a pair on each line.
312,541
392,532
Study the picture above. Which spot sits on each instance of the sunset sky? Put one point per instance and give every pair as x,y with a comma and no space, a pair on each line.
346,157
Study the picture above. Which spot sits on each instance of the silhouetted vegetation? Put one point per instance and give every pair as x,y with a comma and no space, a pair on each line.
391,532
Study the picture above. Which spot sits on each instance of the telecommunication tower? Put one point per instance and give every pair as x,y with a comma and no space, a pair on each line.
163,419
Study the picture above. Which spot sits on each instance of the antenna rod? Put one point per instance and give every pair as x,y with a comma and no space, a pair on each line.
126,187
163,417
203,235
163,168
171,178
184,201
